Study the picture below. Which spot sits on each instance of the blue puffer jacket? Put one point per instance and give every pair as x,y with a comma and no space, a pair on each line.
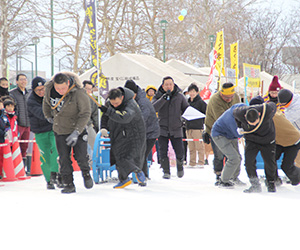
226,125
149,115
38,122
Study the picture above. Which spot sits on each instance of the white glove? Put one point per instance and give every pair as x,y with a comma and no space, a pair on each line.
104,132
240,131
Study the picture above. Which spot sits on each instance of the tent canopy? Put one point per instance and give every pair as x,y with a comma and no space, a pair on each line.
143,69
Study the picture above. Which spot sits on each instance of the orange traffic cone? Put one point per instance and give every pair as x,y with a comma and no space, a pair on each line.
8,165
35,161
18,160
74,162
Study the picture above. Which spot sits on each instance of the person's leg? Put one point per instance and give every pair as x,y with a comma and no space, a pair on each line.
64,151
227,147
163,152
43,144
218,161
149,146
287,164
177,145
197,134
192,148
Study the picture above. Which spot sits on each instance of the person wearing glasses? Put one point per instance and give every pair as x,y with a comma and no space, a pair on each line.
218,103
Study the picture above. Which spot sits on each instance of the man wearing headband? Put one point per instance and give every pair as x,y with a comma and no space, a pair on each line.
217,105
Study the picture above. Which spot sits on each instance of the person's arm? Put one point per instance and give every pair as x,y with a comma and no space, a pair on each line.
122,117
35,110
84,110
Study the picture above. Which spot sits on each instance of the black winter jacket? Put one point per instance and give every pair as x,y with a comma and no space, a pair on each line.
127,134
149,115
21,106
200,105
169,112
38,122
265,134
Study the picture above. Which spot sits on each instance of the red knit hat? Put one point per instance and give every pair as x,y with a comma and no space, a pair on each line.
275,86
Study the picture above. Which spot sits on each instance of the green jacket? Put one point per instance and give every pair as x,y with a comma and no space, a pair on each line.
75,112
216,107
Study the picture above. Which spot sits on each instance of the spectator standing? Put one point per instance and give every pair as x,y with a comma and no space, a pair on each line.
150,119
217,105
170,105
150,92
20,95
44,135
67,106
272,94
194,128
3,87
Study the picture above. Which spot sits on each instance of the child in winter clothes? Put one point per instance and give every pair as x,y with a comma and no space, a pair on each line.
4,126
9,110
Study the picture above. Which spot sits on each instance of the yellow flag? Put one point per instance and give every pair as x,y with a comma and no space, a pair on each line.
234,59
252,72
219,47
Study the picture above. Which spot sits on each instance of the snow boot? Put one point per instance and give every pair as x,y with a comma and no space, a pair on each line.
88,181
50,185
227,185
68,188
255,186
165,165
218,179
180,171
271,186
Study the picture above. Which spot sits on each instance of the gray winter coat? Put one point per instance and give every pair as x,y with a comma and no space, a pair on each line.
169,112
21,106
149,114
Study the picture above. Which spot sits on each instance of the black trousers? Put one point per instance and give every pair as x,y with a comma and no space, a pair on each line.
287,164
268,154
149,145
80,155
177,146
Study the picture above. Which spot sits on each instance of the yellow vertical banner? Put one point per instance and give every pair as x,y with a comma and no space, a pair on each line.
252,72
234,60
219,47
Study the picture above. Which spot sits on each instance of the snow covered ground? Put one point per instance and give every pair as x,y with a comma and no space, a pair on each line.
187,213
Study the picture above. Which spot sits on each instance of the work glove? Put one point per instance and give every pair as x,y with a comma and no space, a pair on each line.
103,108
104,132
50,120
240,131
167,95
72,138
205,137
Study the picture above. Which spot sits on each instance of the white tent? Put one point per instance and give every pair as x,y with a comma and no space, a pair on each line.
143,69
199,74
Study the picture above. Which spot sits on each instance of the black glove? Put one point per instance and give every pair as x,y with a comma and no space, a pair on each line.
50,120
167,95
205,137
103,108
72,138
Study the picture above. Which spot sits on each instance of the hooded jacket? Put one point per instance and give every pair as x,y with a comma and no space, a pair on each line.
148,113
170,111
292,111
265,134
75,111
127,133
146,90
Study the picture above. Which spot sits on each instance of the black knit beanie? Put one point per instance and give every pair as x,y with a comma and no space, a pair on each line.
285,96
